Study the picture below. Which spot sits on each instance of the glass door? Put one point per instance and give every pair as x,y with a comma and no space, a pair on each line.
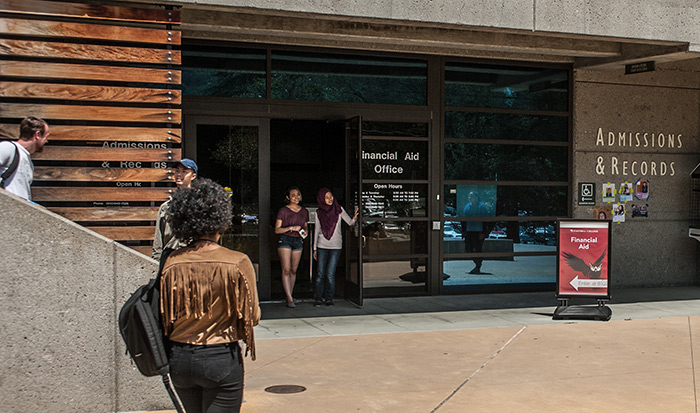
227,151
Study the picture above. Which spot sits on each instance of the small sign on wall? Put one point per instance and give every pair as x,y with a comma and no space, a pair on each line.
640,67
586,193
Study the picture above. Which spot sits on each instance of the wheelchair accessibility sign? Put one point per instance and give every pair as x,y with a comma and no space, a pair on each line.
586,193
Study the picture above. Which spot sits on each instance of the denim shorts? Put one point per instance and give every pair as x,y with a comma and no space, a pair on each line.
291,243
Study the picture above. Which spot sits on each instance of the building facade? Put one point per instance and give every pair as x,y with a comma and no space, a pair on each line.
463,131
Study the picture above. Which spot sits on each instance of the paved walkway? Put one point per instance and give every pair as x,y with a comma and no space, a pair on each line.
479,353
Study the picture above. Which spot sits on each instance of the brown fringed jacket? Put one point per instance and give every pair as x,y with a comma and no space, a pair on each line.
209,297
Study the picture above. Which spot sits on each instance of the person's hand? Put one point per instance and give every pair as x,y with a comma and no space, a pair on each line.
357,211
315,255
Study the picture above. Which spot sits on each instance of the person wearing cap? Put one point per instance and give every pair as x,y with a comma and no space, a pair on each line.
185,172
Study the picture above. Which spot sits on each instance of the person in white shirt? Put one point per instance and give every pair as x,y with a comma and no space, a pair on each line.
328,242
33,135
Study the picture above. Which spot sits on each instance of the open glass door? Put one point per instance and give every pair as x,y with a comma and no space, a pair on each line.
353,244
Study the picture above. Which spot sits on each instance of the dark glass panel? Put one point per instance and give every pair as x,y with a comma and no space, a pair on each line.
509,201
394,238
508,87
506,126
228,155
505,162
419,130
348,78
226,72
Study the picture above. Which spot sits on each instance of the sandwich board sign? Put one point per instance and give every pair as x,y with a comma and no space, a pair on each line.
583,266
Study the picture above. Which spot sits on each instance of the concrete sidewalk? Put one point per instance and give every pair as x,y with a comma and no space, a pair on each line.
483,353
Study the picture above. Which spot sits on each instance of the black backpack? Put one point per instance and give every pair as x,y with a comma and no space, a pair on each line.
142,331
11,168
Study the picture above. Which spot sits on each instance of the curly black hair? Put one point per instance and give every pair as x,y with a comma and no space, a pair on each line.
202,209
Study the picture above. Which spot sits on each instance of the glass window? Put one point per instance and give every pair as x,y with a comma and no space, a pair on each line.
511,201
348,78
401,129
507,87
228,155
525,236
506,126
487,162
500,273
394,238
225,72
408,273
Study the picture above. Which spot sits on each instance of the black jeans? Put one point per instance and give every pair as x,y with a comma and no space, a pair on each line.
208,379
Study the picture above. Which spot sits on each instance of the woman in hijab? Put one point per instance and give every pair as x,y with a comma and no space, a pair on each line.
328,242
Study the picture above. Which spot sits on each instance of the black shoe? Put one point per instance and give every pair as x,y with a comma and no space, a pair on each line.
317,303
329,303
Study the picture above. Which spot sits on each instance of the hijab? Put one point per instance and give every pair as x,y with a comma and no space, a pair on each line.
327,214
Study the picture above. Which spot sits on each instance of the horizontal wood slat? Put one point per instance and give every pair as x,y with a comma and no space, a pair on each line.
134,233
64,194
81,174
89,72
88,11
39,28
143,249
83,153
107,214
134,136
76,51
98,113
88,93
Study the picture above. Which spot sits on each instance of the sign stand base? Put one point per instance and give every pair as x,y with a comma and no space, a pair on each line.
581,312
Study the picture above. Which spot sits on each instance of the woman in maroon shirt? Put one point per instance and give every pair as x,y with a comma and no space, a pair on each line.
291,226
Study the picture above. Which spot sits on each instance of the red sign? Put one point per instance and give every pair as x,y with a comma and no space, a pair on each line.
583,258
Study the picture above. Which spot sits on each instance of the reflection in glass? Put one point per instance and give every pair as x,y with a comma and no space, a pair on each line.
512,201
506,126
348,78
228,154
508,87
523,236
394,273
505,162
534,272
394,238
219,71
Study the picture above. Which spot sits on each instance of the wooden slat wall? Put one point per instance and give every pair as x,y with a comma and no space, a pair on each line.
107,80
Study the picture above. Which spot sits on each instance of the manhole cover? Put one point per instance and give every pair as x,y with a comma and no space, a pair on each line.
285,389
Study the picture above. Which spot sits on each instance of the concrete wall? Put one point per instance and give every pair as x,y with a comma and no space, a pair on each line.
653,250
660,20
61,288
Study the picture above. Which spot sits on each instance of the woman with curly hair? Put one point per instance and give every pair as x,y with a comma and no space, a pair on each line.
208,302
